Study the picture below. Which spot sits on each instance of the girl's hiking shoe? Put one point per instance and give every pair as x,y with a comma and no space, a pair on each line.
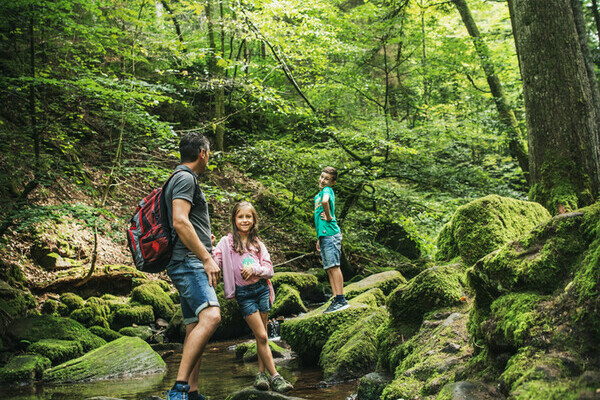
261,382
337,306
178,392
280,385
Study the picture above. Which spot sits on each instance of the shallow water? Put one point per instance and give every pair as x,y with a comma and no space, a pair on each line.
220,375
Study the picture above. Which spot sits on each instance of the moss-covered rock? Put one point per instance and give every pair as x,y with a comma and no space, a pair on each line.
50,306
24,369
124,356
142,332
13,303
370,386
247,351
232,323
387,281
57,350
373,298
307,284
351,352
154,295
433,288
469,390
287,302
255,394
34,329
485,224
72,301
127,316
107,334
404,387
176,329
92,315
308,333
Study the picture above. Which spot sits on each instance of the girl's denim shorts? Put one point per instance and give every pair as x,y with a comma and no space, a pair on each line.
331,248
253,298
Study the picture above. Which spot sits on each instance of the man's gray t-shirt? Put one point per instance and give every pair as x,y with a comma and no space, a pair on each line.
184,186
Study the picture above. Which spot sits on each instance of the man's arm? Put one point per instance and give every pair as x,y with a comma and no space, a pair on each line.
187,235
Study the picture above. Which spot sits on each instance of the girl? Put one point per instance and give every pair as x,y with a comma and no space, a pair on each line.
247,266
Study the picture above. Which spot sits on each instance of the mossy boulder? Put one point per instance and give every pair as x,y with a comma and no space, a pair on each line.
485,224
50,306
370,386
307,284
255,394
247,351
34,329
92,315
469,390
72,301
395,237
153,294
232,323
402,388
13,303
434,288
373,298
107,334
387,281
57,350
287,302
308,333
351,352
176,329
124,356
142,332
127,316
24,369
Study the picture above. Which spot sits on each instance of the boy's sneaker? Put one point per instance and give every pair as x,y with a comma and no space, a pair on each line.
280,385
178,392
337,306
261,382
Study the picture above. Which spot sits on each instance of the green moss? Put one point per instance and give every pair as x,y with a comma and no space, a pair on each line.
91,315
164,285
176,329
124,356
107,334
485,224
308,333
373,297
13,303
389,338
433,288
49,307
26,368
386,281
142,332
57,350
34,329
351,352
232,323
72,301
370,386
127,316
402,388
301,281
247,351
287,302
564,389
63,310
153,294
96,301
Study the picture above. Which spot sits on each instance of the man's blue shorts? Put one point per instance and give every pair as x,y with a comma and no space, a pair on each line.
191,281
331,248
253,298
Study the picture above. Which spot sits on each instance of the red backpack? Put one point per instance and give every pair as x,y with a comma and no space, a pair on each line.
149,236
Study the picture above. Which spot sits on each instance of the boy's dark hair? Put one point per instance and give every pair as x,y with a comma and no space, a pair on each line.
190,146
331,171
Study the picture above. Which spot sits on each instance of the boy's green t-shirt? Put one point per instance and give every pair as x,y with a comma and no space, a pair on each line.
323,227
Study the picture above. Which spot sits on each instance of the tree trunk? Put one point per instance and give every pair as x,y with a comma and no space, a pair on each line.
219,94
175,24
507,116
564,159
596,15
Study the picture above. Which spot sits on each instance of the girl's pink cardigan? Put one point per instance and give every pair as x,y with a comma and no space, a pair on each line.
225,260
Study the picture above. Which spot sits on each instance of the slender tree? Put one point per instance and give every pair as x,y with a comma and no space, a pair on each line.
562,119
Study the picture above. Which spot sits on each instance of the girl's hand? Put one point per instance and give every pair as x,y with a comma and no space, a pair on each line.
213,238
247,272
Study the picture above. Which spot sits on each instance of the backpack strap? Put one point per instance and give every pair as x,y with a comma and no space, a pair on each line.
165,206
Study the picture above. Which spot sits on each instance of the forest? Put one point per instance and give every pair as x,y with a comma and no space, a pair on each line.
466,134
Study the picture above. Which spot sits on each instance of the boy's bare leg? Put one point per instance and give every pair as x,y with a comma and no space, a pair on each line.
257,325
336,279
196,337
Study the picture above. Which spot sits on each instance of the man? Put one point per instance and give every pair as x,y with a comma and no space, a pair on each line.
192,269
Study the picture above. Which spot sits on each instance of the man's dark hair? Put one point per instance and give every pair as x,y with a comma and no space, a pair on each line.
190,146
331,171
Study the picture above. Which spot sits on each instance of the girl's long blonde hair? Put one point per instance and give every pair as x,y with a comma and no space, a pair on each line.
252,240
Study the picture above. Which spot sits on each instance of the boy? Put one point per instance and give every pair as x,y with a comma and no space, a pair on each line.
192,268
329,238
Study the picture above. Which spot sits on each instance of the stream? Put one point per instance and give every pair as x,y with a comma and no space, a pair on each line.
220,375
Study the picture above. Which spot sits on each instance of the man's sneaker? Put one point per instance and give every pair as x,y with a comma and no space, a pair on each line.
337,306
261,382
280,385
178,392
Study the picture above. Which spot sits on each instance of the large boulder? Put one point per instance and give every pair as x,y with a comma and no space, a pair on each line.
57,350
395,237
307,284
72,301
36,328
124,356
387,281
107,334
154,294
92,315
434,288
308,333
24,369
485,224
255,394
351,352
127,316
287,302
246,352
13,303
